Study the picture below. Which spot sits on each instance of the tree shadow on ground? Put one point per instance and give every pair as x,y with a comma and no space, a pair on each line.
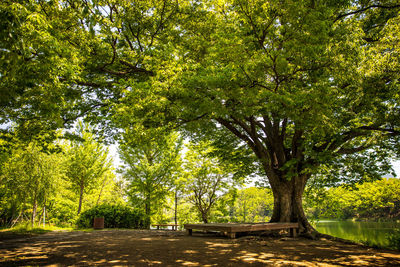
168,248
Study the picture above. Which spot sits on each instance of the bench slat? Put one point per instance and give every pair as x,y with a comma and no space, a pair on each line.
232,228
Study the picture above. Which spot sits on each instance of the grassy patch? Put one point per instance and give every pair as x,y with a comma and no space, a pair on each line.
25,230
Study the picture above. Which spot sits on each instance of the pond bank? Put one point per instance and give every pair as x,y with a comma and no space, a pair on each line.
367,232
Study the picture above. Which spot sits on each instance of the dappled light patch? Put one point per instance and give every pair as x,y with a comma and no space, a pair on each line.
146,239
219,245
248,257
190,251
148,262
188,263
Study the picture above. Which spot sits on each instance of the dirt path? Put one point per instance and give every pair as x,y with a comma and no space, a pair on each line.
168,248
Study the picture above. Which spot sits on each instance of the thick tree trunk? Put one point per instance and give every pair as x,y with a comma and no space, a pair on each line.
274,146
80,199
288,202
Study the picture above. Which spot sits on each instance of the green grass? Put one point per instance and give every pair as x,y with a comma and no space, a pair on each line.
26,230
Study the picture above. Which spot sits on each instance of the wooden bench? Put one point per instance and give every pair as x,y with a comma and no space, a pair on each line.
230,229
174,226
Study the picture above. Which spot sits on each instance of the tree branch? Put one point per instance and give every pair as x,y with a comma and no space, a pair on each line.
236,132
136,69
345,151
364,9
376,128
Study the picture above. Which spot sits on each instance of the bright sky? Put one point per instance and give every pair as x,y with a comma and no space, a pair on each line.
114,154
396,167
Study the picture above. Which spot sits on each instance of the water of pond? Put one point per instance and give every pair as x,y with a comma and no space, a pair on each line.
374,233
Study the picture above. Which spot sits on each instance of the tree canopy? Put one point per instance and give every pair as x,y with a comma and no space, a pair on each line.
306,86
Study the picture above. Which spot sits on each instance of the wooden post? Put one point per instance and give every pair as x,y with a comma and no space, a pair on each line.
293,232
189,231
232,235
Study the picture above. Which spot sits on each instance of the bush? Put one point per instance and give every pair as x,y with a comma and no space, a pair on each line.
115,216
394,240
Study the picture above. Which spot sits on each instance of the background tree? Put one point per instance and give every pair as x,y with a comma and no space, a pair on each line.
63,205
377,200
149,167
30,177
178,188
206,178
87,163
253,205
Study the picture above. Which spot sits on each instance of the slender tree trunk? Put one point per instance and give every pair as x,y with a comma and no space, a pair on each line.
44,215
101,191
80,199
147,211
13,222
34,213
244,211
176,206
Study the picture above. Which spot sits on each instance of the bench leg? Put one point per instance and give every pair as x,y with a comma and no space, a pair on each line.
158,227
293,232
189,231
232,235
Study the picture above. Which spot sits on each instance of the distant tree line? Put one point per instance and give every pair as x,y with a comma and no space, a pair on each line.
378,200
52,182
162,179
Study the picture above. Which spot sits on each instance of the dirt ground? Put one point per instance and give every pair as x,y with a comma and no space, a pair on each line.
174,248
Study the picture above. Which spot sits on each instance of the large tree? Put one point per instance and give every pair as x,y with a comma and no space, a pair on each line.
305,85
301,83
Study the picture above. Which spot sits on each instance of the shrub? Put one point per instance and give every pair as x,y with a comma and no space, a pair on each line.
115,216
394,240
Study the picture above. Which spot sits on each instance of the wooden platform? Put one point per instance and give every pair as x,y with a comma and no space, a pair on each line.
230,229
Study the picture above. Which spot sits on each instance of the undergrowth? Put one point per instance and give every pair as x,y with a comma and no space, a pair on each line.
394,240
26,228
